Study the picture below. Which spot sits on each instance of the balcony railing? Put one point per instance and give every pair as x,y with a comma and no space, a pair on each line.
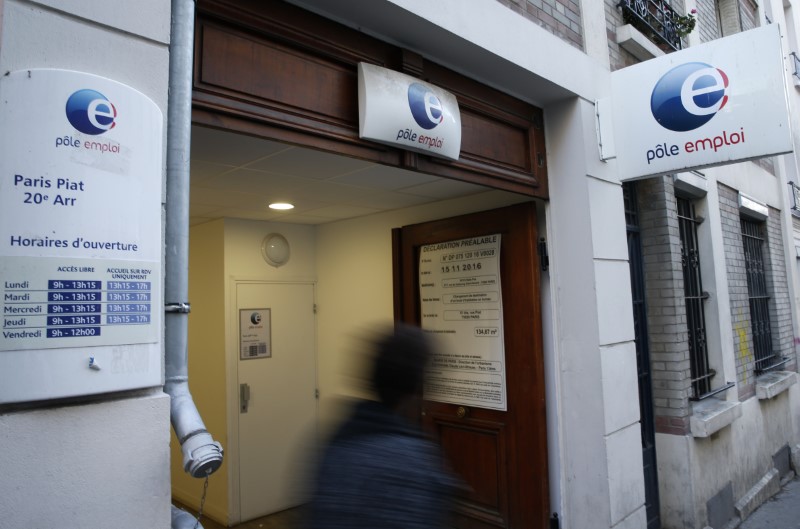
654,18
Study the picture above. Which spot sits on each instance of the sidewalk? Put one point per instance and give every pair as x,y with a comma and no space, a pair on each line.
782,511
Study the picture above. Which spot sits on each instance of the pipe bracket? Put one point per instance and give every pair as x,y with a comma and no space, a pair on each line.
182,307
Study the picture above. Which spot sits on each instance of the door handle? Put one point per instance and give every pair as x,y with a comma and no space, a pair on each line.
244,397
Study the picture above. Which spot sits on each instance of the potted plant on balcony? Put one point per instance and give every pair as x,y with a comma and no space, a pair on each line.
684,24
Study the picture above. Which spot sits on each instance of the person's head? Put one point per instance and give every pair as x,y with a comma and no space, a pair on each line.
401,358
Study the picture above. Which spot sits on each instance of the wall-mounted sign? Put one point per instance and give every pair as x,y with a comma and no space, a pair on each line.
461,303
405,112
255,333
712,104
80,235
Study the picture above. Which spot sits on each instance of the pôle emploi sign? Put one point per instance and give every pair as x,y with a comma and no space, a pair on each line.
711,104
80,235
402,111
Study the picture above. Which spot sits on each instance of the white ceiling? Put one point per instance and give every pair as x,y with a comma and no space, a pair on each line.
238,176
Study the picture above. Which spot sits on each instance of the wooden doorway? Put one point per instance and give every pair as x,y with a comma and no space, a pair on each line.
500,454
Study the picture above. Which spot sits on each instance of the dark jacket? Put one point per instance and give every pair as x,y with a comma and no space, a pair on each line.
380,472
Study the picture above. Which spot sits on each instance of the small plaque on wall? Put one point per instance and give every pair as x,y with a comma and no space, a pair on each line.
255,339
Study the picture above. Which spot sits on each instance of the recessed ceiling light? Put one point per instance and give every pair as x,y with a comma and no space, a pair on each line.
281,205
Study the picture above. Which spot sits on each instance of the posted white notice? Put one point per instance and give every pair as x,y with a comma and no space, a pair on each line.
461,302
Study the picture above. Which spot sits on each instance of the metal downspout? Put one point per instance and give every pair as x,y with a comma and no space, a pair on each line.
201,454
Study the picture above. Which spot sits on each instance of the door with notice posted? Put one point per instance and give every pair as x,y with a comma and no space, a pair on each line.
277,393
473,283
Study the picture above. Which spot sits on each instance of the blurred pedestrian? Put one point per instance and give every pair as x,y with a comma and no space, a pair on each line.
379,470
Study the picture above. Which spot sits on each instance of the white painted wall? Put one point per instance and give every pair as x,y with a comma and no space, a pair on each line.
750,179
104,43
787,15
692,470
104,462
95,465
519,41
601,477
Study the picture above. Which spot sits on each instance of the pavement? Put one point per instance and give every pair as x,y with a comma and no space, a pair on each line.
782,511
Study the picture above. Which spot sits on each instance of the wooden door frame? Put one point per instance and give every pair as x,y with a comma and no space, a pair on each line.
535,458
273,70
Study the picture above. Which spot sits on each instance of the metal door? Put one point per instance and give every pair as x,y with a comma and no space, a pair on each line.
278,404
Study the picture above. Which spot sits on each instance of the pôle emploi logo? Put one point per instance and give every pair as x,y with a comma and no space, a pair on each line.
91,113
428,112
425,106
686,98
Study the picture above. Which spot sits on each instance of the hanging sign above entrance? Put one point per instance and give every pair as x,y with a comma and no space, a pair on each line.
713,104
399,110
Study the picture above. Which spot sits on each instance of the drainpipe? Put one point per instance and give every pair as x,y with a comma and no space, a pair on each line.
183,520
201,454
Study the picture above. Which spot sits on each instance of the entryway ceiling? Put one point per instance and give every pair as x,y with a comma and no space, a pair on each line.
239,176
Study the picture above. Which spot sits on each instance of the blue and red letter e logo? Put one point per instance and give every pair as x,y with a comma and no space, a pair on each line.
688,96
90,112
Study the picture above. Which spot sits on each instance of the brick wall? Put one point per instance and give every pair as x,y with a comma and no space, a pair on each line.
560,17
778,285
781,325
737,290
666,311
618,57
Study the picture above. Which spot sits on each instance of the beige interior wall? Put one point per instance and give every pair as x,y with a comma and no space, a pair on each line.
244,262
351,264
243,259
206,365
354,263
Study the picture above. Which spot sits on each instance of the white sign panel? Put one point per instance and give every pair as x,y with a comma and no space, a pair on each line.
711,104
80,233
255,334
400,110
461,302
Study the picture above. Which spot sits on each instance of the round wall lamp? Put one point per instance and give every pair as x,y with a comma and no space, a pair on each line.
275,249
